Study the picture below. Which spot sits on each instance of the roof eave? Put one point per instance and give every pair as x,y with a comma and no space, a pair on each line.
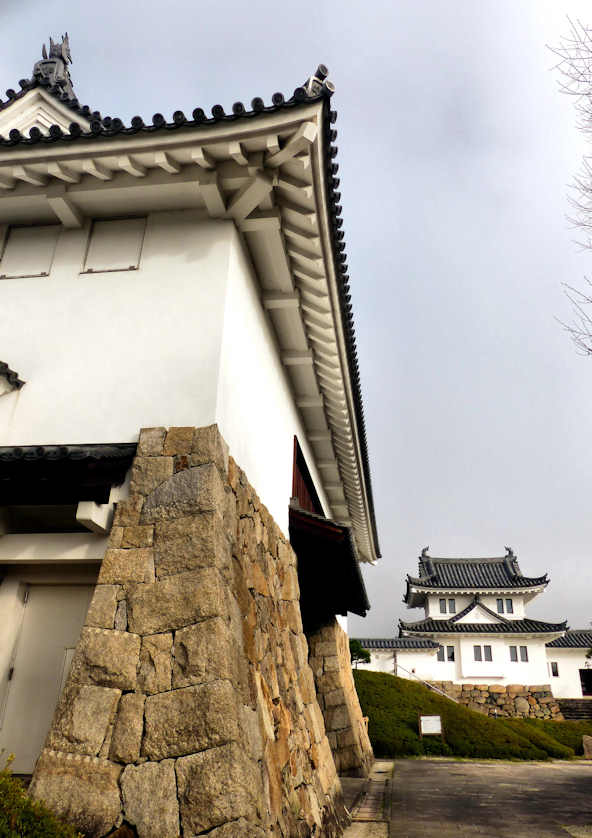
345,428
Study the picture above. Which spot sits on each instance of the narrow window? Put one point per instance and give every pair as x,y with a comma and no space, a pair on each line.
441,654
509,606
487,653
477,653
514,654
524,654
500,606
442,606
452,606
554,669
450,652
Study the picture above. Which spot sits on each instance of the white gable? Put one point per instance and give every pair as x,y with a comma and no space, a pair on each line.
38,109
478,614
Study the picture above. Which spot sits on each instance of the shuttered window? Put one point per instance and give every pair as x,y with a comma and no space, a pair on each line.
115,245
28,251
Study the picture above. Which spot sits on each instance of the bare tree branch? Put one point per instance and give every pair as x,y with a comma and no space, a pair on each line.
574,66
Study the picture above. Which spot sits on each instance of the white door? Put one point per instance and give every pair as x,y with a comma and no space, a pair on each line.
52,619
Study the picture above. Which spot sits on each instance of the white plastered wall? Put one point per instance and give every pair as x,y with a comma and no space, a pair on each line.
105,354
183,340
567,684
381,660
255,408
462,600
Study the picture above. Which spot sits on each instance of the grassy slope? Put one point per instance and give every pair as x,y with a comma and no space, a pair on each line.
393,705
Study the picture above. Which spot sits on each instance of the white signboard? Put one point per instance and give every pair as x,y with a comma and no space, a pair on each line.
430,726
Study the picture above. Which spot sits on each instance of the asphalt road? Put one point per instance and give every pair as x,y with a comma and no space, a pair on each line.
443,798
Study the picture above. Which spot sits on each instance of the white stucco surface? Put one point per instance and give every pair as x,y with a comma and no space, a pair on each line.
567,684
182,340
255,408
432,608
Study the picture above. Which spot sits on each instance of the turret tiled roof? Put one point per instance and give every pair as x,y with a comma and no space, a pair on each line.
497,573
398,643
317,89
573,639
525,626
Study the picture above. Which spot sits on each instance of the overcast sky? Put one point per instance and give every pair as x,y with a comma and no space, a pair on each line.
455,153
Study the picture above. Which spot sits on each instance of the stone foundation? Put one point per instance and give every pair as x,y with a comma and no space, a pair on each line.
190,707
534,702
336,692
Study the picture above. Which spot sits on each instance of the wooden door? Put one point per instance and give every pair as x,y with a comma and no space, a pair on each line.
52,619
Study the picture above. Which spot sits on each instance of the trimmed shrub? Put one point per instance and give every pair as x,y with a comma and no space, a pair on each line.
21,817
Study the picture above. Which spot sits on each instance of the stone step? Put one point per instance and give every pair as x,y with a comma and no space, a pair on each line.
576,708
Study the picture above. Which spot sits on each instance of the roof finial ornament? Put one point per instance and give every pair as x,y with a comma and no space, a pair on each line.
424,552
319,82
510,553
54,67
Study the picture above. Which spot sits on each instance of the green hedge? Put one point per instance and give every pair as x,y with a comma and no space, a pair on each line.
21,817
393,706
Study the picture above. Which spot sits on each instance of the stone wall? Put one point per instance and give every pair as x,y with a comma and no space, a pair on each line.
331,665
535,702
190,706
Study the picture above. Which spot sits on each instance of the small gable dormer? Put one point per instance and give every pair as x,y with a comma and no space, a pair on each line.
47,98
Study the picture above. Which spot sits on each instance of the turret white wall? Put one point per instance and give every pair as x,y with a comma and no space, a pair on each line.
183,340
569,661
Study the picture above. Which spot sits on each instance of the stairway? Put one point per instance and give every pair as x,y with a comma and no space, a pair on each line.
576,709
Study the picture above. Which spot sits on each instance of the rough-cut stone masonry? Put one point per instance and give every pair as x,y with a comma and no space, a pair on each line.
535,702
190,707
331,665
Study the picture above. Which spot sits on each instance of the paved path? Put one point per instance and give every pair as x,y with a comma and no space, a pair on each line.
499,800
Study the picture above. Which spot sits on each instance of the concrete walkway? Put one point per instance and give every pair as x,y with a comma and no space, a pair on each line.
369,802
446,798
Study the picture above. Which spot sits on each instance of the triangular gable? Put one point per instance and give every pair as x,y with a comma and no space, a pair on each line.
37,109
476,612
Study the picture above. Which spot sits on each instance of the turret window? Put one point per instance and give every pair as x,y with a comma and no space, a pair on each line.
482,653
509,606
451,606
500,606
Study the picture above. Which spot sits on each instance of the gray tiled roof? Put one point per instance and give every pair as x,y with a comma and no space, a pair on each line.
573,639
398,643
497,573
105,127
506,627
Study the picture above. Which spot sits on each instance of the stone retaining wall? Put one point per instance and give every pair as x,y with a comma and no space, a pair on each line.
536,702
190,706
331,665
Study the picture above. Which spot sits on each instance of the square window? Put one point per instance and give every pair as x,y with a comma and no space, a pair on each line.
441,654
500,606
450,653
514,654
115,245
477,653
442,606
554,669
452,606
28,251
487,653
509,606
524,654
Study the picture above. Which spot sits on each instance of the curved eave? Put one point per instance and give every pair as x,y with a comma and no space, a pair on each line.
272,172
424,590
